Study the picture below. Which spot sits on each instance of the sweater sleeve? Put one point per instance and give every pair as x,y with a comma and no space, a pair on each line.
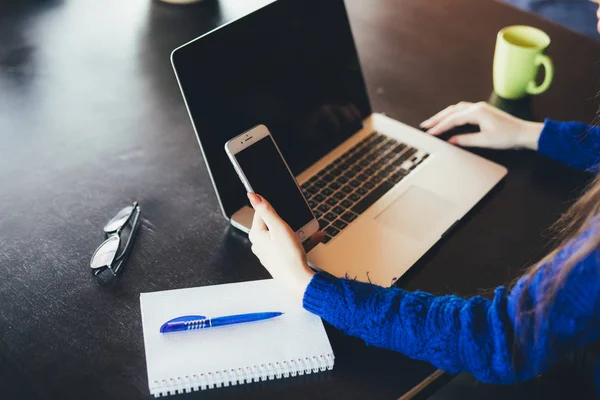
572,143
485,337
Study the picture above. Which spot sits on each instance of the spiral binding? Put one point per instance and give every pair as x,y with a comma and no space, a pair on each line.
255,373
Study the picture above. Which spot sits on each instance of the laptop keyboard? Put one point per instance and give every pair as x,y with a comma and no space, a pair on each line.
353,182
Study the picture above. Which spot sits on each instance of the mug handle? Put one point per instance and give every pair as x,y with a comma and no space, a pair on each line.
542,59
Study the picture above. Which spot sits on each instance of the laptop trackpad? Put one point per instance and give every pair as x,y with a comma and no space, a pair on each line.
418,214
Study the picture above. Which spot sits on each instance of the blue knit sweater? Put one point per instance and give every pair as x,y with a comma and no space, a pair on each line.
478,335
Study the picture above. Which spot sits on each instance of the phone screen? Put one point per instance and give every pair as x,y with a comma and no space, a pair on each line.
267,174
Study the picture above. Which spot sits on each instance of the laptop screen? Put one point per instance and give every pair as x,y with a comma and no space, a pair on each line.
291,66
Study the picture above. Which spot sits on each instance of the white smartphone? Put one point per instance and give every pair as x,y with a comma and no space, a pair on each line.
262,169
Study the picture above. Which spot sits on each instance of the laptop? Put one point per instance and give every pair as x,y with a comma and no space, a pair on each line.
384,192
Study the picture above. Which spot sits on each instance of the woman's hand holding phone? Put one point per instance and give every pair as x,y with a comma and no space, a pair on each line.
279,249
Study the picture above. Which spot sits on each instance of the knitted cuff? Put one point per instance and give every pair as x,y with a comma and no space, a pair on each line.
550,139
316,296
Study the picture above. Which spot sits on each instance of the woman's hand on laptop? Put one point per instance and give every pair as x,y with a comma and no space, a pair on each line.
278,249
499,130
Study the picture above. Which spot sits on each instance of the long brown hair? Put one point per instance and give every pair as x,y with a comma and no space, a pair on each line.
570,225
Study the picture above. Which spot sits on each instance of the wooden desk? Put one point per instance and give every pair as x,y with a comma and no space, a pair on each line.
91,118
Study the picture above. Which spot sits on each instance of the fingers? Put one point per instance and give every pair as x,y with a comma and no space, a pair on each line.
258,224
266,212
470,140
258,228
429,123
470,115
313,241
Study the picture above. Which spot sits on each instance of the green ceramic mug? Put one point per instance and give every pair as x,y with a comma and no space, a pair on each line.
519,54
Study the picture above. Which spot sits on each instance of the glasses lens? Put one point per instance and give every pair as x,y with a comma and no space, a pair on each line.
105,253
118,220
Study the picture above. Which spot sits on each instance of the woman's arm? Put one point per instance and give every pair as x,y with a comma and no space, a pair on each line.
572,143
497,129
452,333
473,335
490,339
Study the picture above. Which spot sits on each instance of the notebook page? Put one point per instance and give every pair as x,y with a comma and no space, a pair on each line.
295,335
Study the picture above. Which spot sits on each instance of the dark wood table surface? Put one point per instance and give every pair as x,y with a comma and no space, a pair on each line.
91,118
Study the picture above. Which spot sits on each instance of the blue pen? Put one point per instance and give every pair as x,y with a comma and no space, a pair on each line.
192,322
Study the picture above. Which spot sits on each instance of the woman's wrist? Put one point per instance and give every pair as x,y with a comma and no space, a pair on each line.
303,279
530,135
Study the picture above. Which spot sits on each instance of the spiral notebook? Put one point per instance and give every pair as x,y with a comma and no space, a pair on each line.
292,344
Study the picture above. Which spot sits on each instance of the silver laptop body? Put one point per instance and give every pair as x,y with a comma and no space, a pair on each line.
384,195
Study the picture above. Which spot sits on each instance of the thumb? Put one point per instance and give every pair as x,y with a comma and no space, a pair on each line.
469,140
266,211
313,241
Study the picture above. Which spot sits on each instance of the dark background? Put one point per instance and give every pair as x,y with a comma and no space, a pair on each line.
91,118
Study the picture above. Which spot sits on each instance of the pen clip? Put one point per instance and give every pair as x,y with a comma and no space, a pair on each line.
186,318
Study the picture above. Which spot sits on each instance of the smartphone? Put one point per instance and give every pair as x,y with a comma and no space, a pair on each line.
262,169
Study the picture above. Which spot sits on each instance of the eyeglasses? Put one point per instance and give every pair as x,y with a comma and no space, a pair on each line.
107,255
